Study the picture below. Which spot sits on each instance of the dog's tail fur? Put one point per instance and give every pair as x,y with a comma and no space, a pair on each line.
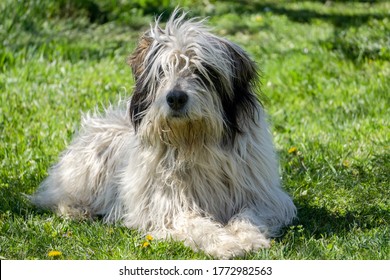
82,184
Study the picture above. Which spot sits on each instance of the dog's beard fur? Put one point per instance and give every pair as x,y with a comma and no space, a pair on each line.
191,158
196,125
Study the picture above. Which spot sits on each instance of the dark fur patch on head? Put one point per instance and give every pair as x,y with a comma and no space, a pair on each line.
139,104
139,101
137,59
241,106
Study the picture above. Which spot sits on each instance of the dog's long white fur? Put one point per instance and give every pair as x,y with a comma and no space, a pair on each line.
176,177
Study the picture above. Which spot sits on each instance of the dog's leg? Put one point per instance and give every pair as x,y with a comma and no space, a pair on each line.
217,240
249,230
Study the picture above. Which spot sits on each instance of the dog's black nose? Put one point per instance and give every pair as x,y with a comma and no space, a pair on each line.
177,99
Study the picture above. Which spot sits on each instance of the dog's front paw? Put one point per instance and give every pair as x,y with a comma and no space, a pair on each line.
249,236
236,243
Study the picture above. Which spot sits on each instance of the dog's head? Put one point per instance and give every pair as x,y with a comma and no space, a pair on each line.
191,86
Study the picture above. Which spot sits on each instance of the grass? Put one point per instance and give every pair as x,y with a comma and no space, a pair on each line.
326,69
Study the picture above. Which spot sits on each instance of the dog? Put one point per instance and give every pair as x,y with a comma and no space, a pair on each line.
189,157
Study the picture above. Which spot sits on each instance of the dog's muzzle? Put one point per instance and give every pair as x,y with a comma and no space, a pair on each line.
177,100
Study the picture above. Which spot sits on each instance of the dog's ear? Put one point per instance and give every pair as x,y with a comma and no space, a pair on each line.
245,70
137,59
242,104
139,102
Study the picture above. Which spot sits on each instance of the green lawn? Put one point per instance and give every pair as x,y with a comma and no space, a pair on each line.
326,74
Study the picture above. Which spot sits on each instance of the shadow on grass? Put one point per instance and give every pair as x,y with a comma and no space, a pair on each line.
304,15
348,39
13,198
319,221
365,183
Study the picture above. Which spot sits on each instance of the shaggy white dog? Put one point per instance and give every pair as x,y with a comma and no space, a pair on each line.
189,158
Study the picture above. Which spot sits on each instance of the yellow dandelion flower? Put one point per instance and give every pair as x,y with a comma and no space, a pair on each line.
258,18
292,150
149,237
54,254
346,163
145,244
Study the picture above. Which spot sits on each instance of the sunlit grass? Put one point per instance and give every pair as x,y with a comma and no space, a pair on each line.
325,72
